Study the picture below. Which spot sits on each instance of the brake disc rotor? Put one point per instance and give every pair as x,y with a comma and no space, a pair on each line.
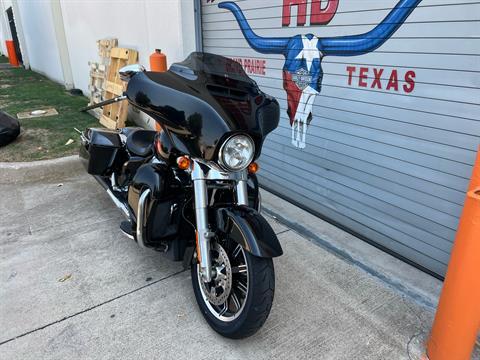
218,290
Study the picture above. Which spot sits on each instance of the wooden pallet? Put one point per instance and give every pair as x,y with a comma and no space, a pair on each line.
98,73
105,47
115,115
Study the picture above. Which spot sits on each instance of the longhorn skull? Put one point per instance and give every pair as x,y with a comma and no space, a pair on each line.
302,72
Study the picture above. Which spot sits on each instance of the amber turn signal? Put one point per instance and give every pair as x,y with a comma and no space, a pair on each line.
183,162
253,168
158,145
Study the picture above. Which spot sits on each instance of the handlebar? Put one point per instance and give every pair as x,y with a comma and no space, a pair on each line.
103,103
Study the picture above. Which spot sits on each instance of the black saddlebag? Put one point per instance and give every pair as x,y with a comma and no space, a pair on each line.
100,149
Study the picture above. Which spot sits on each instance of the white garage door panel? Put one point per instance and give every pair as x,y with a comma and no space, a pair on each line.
366,205
439,223
457,141
367,173
428,119
343,215
391,164
427,173
395,171
357,211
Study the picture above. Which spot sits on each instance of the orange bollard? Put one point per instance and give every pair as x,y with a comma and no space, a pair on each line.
457,320
158,63
12,55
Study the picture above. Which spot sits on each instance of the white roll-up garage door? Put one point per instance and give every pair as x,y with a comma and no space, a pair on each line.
390,92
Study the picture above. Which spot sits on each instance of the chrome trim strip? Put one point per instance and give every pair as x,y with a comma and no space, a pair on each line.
214,173
141,217
113,182
118,203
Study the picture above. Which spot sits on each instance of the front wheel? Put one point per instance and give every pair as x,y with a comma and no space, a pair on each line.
237,301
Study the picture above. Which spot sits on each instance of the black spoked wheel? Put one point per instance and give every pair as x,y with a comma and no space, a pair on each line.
237,301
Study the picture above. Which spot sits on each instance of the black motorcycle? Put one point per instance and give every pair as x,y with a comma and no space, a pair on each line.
190,190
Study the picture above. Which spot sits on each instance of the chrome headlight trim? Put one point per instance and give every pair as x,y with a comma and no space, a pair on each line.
221,154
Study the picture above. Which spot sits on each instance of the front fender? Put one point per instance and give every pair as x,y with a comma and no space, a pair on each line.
250,229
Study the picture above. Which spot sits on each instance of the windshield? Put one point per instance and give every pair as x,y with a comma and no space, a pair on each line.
210,64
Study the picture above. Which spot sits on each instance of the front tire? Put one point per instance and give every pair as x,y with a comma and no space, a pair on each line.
237,302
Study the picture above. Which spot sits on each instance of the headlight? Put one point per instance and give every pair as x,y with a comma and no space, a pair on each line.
237,153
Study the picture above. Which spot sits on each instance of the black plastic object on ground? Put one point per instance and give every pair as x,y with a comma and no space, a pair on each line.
9,129
76,92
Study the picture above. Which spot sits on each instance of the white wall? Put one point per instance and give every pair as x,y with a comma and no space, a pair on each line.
4,28
143,25
40,38
140,25
187,12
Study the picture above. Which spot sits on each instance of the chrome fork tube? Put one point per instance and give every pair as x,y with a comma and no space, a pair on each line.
242,192
200,174
203,232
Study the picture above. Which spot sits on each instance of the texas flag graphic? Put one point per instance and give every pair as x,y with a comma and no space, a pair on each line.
302,72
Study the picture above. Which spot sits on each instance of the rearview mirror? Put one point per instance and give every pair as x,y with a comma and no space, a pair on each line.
128,71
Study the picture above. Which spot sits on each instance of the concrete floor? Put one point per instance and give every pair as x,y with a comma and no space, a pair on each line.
72,286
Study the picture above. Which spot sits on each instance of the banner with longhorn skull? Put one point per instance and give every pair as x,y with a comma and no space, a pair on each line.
302,72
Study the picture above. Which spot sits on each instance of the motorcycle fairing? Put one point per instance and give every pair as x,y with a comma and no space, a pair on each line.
203,100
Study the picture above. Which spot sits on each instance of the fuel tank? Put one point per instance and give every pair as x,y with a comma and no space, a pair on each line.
203,100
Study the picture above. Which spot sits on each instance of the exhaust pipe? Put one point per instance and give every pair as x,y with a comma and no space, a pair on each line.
119,204
115,200
140,210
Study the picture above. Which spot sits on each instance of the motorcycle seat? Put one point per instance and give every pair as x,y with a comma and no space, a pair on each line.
140,142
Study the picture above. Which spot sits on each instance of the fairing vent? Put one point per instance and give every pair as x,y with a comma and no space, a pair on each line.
222,91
